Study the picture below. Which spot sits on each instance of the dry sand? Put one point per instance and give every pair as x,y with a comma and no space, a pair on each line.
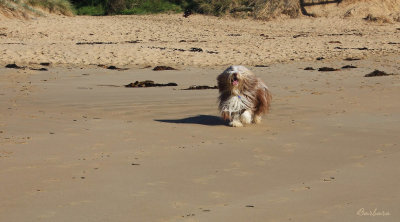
139,41
77,146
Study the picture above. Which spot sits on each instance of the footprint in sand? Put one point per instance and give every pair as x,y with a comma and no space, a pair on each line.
177,204
359,165
217,195
301,188
14,140
204,179
5,153
358,157
290,147
48,214
279,200
156,183
97,146
101,155
80,202
140,194
262,159
235,170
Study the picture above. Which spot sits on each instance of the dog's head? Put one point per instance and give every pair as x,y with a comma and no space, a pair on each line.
235,79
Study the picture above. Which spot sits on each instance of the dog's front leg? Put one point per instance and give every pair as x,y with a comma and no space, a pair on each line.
246,117
236,120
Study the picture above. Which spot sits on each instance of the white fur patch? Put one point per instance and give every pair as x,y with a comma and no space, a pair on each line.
246,117
234,104
237,69
236,123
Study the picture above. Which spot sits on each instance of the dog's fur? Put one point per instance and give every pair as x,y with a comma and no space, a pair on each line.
243,98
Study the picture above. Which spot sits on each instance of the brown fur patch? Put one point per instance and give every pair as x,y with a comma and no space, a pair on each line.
225,116
263,101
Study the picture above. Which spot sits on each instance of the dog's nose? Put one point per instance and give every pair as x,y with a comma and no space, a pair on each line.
235,75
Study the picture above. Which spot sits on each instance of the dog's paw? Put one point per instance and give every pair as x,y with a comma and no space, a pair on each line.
235,123
257,119
246,117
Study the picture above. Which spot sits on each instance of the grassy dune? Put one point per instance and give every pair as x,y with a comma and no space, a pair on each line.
254,8
259,9
26,7
262,9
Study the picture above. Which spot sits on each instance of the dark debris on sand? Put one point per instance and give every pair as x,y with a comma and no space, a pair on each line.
39,69
14,66
112,67
193,49
266,36
108,43
194,87
377,73
309,68
371,18
300,35
349,67
148,83
359,48
116,68
162,68
133,41
351,59
95,43
327,69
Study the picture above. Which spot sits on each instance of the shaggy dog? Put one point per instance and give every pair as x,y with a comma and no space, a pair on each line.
243,98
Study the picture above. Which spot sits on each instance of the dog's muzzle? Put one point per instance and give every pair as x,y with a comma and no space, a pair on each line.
235,80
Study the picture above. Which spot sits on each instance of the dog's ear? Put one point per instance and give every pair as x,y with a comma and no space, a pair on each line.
264,98
222,81
250,82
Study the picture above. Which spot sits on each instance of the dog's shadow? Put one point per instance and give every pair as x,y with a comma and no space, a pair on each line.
206,120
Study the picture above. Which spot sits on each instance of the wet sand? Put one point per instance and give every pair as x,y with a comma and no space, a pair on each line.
75,145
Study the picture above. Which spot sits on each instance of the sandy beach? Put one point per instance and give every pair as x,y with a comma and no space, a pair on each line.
196,41
76,145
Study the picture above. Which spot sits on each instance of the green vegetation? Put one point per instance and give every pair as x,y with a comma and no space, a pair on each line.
152,6
91,10
126,7
261,9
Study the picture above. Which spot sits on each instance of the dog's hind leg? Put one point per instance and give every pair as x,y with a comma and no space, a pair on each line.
257,119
